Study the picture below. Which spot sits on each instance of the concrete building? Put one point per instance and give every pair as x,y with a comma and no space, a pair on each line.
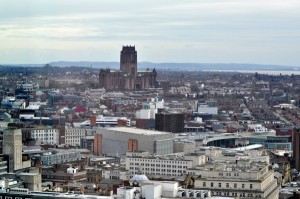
87,143
3,166
173,165
150,109
32,181
60,176
145,118
118,140
128,77
116,173
12,146
56,156
74,135
142,187
242,179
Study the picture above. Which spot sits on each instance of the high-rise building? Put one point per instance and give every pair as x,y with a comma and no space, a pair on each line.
12,146
128,77
296,148
169,122
97,144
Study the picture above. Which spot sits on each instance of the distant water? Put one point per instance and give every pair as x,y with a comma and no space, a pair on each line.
269,72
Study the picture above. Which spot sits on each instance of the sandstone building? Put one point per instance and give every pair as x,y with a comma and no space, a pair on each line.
128,77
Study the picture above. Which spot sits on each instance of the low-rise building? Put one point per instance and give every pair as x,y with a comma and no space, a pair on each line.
174,165
47,135
74,135
243,179
71,175
52,156
116,140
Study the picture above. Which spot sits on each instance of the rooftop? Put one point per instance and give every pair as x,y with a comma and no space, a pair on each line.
137,131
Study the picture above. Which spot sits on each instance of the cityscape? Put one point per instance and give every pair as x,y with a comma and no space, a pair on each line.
149,114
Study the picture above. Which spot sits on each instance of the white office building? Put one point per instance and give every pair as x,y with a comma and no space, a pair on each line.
46,135
173,165
73,135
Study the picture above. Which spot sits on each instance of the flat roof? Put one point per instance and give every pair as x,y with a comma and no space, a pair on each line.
137,131
102,159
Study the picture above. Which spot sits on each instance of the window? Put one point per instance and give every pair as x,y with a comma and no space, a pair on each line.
204,184
235,185
227,185
211,184
251,186
243,186
220,185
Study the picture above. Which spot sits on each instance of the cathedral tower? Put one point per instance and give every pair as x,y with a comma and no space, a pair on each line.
128,60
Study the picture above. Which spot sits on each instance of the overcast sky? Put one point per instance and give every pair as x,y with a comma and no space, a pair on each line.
202,31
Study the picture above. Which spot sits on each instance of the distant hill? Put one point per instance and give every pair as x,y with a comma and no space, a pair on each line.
86,64
167,66
179,66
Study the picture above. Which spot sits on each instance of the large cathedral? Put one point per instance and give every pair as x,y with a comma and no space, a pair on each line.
128,77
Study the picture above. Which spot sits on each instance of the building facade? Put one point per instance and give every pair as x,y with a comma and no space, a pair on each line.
128,77
74,135
46,135
60,157
98,144
158,166
169,165
243,180
117,140
169,122
12,145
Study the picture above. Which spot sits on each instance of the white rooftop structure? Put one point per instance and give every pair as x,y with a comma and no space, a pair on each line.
250,147
106,121
138,131
33,107
139,178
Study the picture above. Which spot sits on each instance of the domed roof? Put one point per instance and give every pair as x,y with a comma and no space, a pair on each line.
139,178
